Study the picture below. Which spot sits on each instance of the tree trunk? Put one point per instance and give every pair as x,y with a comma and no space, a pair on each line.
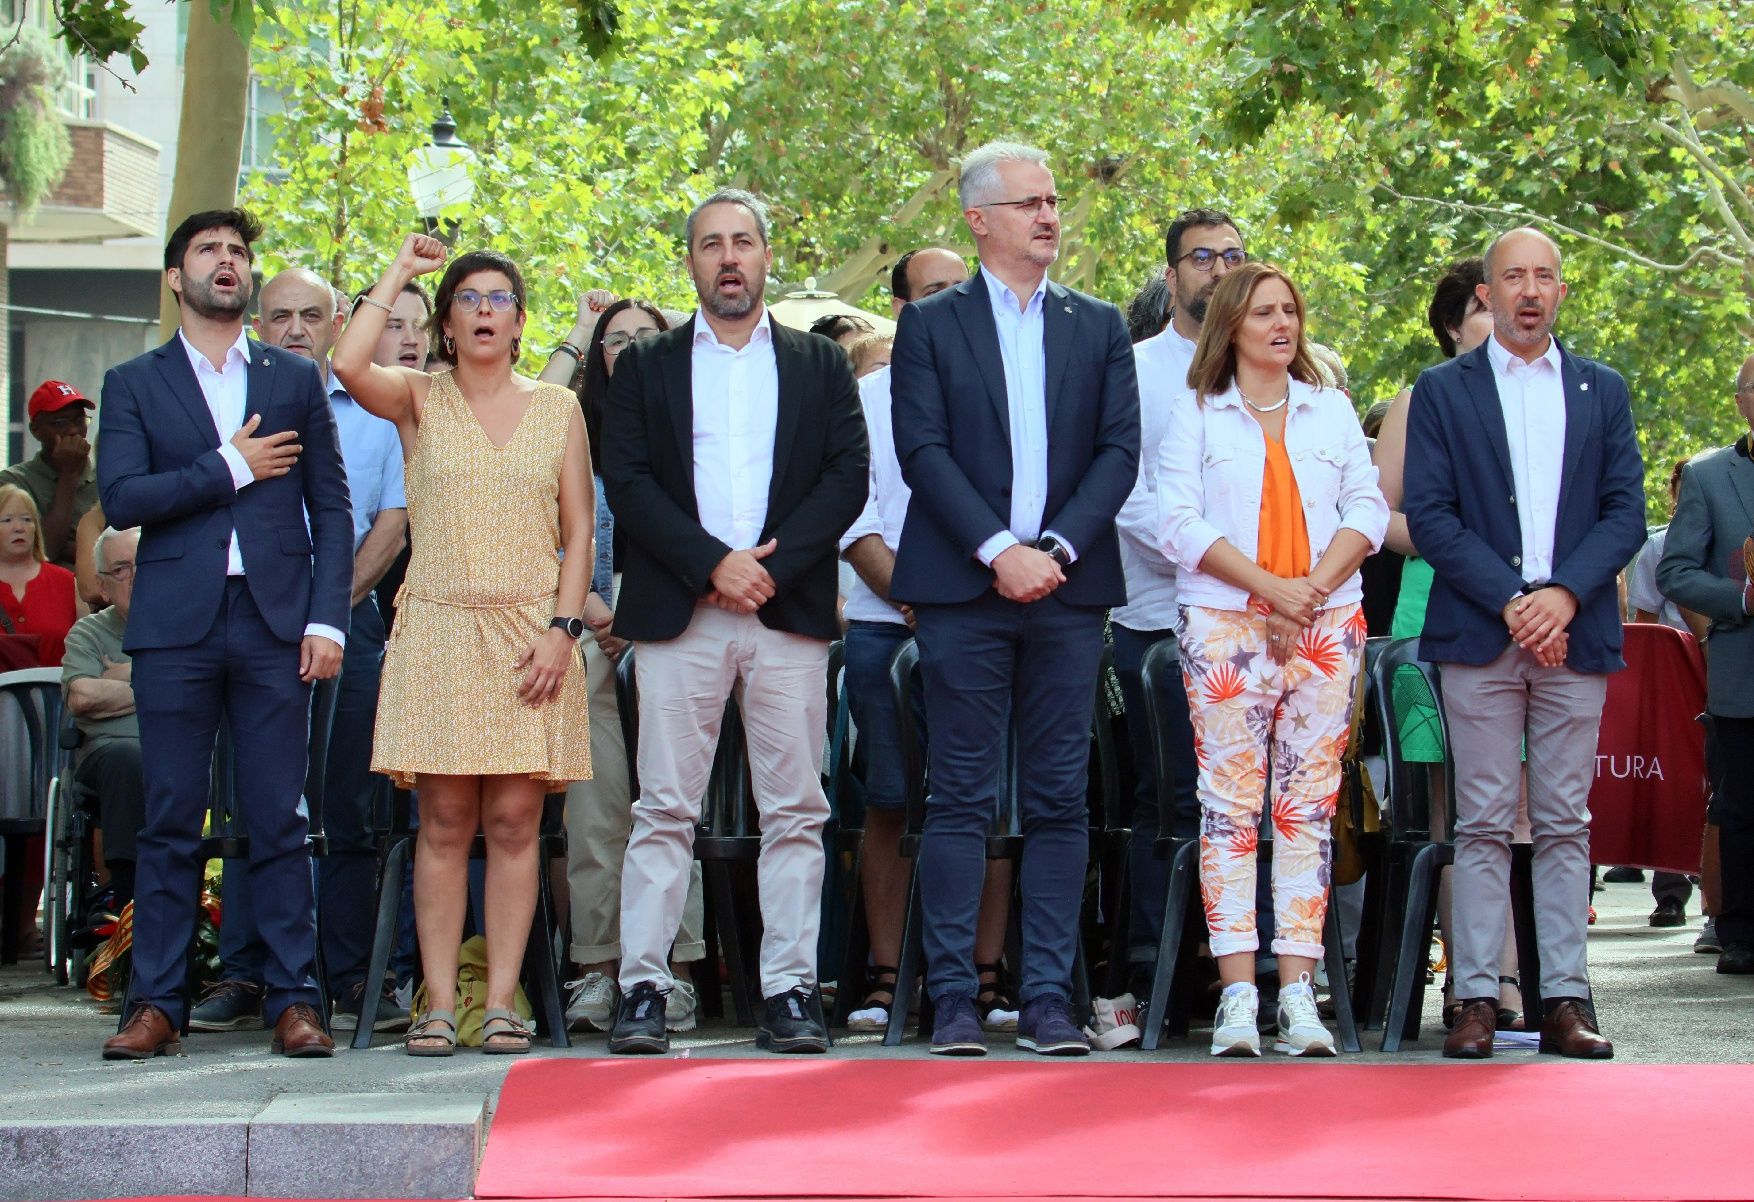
210,129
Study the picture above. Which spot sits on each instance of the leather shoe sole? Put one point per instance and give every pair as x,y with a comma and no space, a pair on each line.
173,1048
767,1041
309,1051
1594,1051
638,1045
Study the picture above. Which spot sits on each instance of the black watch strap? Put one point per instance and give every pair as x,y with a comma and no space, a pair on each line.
1054,548
574,627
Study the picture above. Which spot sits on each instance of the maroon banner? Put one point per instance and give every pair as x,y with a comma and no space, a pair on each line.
1648,802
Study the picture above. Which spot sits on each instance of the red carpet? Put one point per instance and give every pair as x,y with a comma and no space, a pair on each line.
832,1128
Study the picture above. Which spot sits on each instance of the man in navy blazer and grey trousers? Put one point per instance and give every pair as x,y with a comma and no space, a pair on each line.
1016,416
1525,491
219,448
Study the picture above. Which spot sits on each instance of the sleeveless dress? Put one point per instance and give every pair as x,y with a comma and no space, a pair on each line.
483,575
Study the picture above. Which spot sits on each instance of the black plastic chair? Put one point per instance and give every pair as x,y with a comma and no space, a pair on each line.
1184,884
1111,836
35,695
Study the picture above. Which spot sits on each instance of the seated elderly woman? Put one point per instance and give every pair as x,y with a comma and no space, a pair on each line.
1268,503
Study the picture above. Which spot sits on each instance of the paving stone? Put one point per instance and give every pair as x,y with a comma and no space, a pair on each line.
120,1158
374,1145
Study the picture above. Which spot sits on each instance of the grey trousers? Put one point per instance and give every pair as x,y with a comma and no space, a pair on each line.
599,817
1490,710
780,680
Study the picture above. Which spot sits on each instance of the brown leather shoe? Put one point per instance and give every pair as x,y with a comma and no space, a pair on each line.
1471,1039
1570,1030
300,1033
148,1032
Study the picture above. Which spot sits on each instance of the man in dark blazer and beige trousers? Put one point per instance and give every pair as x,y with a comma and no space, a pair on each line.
1016,414
1704,569
734,457
1525,491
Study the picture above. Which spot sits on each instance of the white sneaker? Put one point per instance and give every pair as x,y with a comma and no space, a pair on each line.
1300,1025
1114,1022
592,1005
1233,1030
679,1015
869,1019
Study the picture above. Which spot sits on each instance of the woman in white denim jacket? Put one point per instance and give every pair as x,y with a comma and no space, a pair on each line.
1268,502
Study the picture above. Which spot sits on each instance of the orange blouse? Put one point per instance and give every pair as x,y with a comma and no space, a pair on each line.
1283,545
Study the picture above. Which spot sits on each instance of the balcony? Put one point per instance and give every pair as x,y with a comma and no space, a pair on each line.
110,190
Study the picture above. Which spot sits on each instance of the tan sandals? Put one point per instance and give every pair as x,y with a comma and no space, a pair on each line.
503,1033
438,1026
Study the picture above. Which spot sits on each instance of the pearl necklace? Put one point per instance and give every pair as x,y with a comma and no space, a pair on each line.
1283,401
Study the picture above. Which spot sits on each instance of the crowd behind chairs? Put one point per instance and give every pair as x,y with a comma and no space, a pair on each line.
1242,550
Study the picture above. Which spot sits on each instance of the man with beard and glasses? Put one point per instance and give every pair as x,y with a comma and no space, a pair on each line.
739,458
1524,489
1016,414
1200,248
223,451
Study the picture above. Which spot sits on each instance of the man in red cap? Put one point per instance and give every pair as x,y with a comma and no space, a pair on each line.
62,478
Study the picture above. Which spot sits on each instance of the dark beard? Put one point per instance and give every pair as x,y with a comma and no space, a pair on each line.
720,306
205,302
1197,305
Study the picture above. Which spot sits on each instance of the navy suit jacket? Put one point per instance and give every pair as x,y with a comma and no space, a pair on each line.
159,468
953,438
1460,503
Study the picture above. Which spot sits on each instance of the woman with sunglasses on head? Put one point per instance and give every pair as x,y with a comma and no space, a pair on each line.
599,812
483,709
1268,502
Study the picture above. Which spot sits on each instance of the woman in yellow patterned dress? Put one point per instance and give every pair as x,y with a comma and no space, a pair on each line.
483,703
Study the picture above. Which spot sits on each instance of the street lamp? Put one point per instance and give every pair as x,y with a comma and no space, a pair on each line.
438,174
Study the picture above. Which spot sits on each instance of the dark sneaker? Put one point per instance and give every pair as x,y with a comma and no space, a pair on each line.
639,1023
229,1006
1046,1028
390,1017
956,1027
792,1022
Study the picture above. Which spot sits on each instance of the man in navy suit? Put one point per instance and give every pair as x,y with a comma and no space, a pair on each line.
218,447
1016,414
1525,491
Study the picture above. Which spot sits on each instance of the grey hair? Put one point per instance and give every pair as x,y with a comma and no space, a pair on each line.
978,183
730,196
97,548
1492,248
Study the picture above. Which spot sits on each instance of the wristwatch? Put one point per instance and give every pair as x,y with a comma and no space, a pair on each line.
574,627
1055,549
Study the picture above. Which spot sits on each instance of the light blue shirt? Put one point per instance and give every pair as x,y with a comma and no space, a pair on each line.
371,451
1023,350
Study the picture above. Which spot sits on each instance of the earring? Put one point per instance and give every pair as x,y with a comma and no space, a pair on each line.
450,348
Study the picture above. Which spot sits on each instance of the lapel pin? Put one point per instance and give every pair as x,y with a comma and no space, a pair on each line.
265,363
1068,308
1584,386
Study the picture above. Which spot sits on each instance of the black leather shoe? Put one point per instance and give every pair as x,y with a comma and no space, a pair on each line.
956,1027
1737,959
1669,913
792,1022
639,1023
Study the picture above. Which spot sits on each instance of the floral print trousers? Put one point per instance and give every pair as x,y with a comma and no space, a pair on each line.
1250,712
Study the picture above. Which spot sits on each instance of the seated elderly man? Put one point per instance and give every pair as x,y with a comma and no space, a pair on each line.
98,680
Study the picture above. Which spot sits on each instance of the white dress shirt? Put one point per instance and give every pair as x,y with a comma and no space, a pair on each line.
226,391
1162,361
886,498
1211,470
1023,351
736,408
1532,396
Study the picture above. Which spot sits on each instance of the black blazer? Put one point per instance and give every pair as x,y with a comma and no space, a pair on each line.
953,437
818,487
158,467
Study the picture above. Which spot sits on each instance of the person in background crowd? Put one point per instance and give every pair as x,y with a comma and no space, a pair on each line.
38,598
1008,556
483,706
1382,571
1525,491
61,478
870,353
1150,309
405,342
735,457
97,678
239,607
298,314
1201,247
1268,504
1708,557
844,328
1647,603
599,811
85,536
875,628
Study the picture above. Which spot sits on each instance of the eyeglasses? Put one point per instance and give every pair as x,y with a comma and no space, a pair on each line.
614,344
121,573
470,300
1205,256
1029,206
17,519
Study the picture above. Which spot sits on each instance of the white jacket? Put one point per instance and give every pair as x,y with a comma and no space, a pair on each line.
1210,472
